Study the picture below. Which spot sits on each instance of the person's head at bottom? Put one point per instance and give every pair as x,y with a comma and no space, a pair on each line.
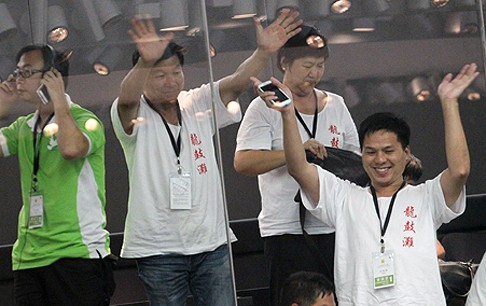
307,289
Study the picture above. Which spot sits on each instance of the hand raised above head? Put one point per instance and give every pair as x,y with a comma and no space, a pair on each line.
273,37
149,44
452,88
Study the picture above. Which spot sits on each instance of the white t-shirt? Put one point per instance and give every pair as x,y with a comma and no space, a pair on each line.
411,234
261,129
151,227
477,295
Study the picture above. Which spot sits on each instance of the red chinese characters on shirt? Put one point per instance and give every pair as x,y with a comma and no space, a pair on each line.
408,242
333,129
199,156
195,140
410,212
198,153
409,227
335,142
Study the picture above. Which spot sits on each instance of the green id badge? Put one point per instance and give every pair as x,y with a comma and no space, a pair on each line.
36,212
384,270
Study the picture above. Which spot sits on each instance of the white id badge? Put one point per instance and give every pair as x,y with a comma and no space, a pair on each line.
36,215
384,269
180,191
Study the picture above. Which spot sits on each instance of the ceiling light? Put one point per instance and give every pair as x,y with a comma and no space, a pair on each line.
38,21
57,27
476,90
462,22
472,94
7,24
195,19
86,20
107,61
341,6
420,89
108,12
173,15
364,24
439,3
244,9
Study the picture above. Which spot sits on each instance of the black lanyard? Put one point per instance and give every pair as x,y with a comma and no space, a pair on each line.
176,144
36,140
314,123
388,214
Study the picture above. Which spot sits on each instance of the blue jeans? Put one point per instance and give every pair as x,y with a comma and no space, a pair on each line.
169,279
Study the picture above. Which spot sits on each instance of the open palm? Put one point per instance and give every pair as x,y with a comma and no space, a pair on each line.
452,88
149,44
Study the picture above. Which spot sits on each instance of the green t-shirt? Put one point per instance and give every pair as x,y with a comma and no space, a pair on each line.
73,193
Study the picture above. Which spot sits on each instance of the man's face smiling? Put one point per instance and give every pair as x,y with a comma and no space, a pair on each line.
165,82
384,159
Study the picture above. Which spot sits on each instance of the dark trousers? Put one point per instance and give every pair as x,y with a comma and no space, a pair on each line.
286,254
77,282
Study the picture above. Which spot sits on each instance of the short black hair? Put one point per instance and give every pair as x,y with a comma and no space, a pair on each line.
298,47
51,58
385,121
171,50
304,288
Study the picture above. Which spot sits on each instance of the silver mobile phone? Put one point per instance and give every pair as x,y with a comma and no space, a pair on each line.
43,93
282,98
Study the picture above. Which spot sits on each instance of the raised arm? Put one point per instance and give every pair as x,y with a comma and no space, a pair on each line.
269,41
457,153
72,143
151,47
304,173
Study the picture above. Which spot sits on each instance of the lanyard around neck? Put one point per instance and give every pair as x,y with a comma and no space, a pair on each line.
37,137
314,123
383,227
176,144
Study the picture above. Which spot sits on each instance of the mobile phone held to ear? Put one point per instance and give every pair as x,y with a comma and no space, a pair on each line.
282,98
43,94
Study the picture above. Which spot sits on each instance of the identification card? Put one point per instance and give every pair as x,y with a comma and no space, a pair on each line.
36,214
384,269
180,191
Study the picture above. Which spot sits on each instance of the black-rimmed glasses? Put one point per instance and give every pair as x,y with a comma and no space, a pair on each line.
26,73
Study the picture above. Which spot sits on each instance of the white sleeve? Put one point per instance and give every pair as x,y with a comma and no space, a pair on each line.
259,128
200,99
477,295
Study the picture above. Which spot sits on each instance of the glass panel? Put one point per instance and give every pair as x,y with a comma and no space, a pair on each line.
372,67
372,70
93,34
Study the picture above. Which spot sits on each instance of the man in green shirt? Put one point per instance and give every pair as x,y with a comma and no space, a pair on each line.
61,253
